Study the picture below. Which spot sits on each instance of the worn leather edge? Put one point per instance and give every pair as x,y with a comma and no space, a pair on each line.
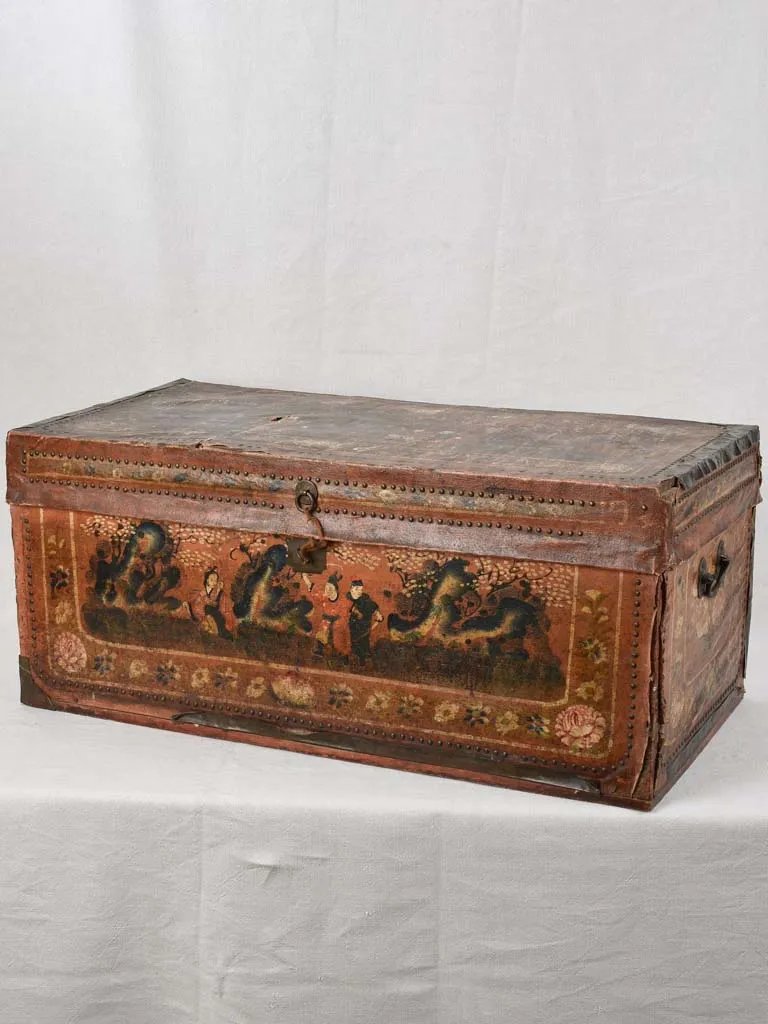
698,516
733,441
547,783
645,784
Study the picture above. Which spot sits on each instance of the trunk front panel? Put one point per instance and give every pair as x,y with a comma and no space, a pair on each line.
499,658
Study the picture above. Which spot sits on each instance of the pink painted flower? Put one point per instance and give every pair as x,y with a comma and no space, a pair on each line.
69,654
580,727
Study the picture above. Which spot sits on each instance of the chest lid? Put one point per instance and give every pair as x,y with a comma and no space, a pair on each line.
573,487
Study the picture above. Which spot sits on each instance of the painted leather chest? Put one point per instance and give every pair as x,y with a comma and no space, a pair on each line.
548,601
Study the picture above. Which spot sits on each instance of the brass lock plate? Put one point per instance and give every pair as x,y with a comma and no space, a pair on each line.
313,561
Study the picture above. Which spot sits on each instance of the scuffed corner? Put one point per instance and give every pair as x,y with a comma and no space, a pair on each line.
32,693
17,447
646,784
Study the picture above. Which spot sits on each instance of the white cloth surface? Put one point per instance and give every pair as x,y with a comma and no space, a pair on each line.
537,203
155,878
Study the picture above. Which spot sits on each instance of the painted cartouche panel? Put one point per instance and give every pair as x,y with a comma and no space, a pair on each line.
522,653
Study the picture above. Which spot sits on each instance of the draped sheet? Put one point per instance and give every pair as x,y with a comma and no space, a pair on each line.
148,876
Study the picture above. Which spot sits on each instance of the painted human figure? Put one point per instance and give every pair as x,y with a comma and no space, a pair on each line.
364,615
211,606
330,615
102,572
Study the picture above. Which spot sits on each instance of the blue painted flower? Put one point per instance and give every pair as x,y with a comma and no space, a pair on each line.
537,724
104,662
166,673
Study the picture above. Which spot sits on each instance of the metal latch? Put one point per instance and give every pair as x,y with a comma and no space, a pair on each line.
307,555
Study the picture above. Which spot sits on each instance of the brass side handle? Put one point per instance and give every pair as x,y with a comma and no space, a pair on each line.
709,582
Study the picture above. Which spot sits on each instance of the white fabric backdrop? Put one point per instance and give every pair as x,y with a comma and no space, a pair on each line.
545,203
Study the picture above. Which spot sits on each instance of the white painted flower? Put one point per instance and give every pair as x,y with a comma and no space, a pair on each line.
506,722
591,690
378,701
200,678
297,695
256,688
69,653
63,614
137,668
447,711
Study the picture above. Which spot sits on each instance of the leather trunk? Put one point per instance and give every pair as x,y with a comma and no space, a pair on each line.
542,600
